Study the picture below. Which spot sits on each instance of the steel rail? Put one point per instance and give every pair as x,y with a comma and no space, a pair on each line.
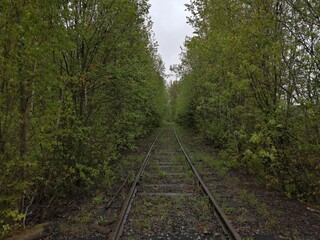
127,204
221,216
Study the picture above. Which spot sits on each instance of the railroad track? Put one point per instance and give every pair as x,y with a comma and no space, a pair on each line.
169,199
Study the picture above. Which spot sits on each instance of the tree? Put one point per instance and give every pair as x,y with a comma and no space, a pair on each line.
250,85
80,82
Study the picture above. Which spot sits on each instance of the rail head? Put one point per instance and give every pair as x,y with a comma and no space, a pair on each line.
222,218
115,235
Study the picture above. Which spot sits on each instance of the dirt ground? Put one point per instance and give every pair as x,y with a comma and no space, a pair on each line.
255,212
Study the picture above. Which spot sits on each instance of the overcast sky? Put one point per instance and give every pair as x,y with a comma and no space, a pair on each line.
170,28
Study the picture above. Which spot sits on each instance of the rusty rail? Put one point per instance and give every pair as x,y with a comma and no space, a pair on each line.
115,235
218,212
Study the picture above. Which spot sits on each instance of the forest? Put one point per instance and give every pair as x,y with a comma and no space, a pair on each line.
80,81
249,83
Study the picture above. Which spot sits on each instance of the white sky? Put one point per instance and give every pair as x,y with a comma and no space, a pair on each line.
170,28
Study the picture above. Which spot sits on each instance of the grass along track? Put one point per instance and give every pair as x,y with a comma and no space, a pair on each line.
166,200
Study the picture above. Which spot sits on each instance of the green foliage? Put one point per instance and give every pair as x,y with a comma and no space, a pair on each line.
218,164
80,81
249,84
98,199
8,216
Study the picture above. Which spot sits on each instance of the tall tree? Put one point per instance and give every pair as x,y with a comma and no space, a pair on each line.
250,85
80,81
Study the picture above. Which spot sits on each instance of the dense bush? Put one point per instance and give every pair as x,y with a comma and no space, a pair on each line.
249,82
80,81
